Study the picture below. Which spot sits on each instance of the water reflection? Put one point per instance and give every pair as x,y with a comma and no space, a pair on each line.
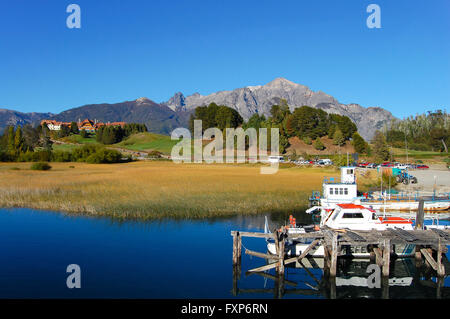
408,279
173,259
306,280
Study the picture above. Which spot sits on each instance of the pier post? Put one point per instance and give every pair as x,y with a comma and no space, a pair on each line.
439,285
386,257
418,256
236,276
237,249
281,244
420,214
332,286
385,287
326,260
334,255
280,285
440,265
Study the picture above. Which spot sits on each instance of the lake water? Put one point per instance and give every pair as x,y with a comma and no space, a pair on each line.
168,259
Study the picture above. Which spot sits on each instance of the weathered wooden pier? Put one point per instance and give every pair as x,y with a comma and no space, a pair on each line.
430,245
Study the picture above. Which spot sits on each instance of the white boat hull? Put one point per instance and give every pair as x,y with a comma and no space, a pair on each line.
429,206
296,249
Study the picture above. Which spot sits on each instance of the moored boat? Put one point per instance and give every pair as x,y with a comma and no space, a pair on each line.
344,217
346,191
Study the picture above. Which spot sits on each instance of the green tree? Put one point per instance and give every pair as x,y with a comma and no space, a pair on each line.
343,123
360,145
74,128
338,138
309,122
45,138
278,113
380,147
19,144
64,131
11,140
30,136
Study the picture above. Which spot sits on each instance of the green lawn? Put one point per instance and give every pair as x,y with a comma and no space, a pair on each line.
398,152
64,147
79,140
148,141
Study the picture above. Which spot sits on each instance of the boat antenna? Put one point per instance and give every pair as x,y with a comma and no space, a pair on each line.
266,225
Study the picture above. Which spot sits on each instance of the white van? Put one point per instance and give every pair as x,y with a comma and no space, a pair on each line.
276,159
325,162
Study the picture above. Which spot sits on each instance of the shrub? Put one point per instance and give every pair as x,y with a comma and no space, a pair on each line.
84,134
40,166
104,155
307,140
318,145
154,154
80,154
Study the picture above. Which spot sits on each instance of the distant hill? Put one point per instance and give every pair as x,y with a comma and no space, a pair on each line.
158,118
163,117
14,118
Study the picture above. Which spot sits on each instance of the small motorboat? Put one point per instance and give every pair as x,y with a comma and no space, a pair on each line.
343,217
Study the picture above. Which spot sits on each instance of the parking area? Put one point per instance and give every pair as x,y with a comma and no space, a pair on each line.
427,180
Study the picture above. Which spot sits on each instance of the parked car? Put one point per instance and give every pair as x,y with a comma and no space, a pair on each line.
421,166
324,162
372,165
387,164
276,159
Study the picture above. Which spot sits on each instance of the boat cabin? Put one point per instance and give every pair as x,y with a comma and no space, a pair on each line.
358,217
345,190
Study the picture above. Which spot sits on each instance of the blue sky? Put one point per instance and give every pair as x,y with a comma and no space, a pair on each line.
129,49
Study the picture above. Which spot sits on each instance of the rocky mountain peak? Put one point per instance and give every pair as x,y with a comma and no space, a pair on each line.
143,100
260,98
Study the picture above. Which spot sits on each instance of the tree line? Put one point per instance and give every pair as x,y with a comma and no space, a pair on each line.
111,134
306,123
423,132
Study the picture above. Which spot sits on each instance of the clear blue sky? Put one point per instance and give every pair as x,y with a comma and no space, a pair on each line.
129,49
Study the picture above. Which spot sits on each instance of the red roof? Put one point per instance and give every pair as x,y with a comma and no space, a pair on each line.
351,206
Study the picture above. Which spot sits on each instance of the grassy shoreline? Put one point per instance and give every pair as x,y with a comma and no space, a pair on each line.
159,189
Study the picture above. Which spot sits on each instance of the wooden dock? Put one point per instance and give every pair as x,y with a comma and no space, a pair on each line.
430,245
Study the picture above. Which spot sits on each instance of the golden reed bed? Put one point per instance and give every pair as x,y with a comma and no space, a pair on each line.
158,189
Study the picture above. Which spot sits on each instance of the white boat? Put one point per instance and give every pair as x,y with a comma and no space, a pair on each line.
345,217
345,191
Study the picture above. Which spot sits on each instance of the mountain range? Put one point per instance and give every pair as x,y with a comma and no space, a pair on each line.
164,117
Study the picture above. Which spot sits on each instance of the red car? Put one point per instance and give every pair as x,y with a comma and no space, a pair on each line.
422,166
362,164
387,164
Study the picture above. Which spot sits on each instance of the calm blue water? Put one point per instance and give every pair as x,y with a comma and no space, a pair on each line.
170,259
